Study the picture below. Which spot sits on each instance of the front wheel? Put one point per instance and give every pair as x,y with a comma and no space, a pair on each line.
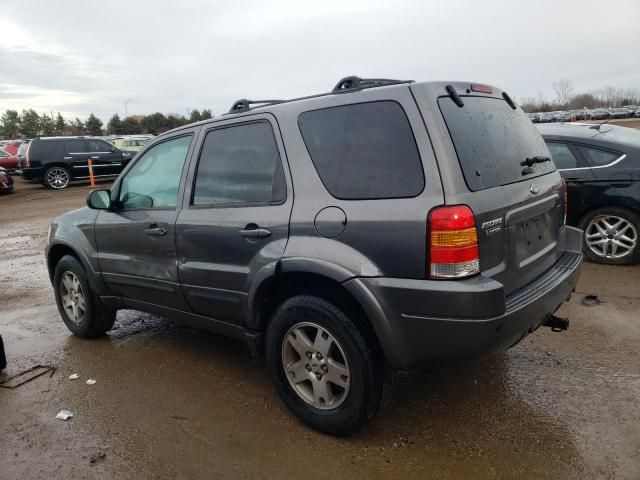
322,367
57,177
80,309
611,235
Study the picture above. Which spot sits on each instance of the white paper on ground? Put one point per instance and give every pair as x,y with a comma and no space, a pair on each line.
91,381
74,376
64,415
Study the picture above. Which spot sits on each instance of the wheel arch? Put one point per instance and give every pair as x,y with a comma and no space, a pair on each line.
326,284
58,250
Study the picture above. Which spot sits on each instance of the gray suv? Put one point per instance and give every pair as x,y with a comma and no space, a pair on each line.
385,223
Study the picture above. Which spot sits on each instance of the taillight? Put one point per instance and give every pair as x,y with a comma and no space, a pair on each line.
565,200
453,247
27,163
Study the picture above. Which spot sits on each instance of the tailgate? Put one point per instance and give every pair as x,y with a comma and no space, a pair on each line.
493,159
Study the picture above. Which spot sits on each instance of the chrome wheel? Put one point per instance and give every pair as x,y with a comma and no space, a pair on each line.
609,236
315,366
57,177
72,297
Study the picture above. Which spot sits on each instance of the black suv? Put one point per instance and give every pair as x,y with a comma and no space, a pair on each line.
385,222
601,164
56,161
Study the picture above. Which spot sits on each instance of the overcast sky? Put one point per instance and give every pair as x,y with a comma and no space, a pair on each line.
82,56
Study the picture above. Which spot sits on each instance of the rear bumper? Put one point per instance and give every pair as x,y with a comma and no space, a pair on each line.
32,173
413,329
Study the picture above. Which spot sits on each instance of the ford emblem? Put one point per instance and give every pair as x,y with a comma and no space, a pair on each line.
534,189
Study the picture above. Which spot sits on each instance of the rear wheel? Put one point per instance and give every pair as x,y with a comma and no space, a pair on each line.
57,177
80,309
611,235
322,367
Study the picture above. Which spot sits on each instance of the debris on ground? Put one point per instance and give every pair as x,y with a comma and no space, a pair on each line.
64,415
74,376
26,376
590,300
98,457
91,381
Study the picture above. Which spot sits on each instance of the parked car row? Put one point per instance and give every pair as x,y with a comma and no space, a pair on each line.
628,111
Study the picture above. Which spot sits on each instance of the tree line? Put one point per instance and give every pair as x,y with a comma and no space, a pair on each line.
565,98
31,124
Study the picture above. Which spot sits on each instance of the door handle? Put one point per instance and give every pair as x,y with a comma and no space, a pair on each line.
95,157
68,158
155,231
253,231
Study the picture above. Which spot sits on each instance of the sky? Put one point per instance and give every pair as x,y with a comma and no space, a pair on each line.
83,56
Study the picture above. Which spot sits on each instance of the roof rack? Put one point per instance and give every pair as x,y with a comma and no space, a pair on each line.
243,105
345,85
356,83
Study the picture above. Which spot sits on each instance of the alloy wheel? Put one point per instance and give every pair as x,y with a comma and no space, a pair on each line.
610,236
72,296
57,177
315,365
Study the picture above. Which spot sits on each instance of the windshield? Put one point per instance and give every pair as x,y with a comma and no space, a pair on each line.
630,136
492,140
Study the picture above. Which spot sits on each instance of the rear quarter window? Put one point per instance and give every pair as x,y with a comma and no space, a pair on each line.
491,140
44,149
363,151
597,157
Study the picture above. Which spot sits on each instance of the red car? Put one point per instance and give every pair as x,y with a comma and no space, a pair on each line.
6,182
8,161
10,146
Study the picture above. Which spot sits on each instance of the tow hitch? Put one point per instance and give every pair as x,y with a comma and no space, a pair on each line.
557,324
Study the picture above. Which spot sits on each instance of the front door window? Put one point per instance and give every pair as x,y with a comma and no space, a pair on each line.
154,180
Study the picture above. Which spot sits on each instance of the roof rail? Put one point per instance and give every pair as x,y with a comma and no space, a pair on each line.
243,105
351,83
347,84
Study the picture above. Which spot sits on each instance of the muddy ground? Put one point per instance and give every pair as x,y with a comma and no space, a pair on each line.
173,402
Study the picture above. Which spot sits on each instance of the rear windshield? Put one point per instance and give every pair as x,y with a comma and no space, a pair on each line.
491,139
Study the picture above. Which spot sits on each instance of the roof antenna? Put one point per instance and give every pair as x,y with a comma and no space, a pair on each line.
597,127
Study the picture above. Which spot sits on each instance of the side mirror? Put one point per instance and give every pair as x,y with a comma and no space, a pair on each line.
99,200
113,149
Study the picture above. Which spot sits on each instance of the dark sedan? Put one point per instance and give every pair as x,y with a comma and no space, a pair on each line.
601,164
6,182
599,114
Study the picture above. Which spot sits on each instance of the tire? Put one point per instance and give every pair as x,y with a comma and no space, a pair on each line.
358,397
3,359
88,318
611,236
57,177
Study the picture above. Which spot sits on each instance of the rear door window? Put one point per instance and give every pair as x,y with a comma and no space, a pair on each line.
363,151
491,140
597,157
563,157
75,146
240,165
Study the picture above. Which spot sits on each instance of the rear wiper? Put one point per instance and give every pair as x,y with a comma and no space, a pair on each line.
529,161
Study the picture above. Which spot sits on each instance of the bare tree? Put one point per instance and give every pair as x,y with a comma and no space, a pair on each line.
564,92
